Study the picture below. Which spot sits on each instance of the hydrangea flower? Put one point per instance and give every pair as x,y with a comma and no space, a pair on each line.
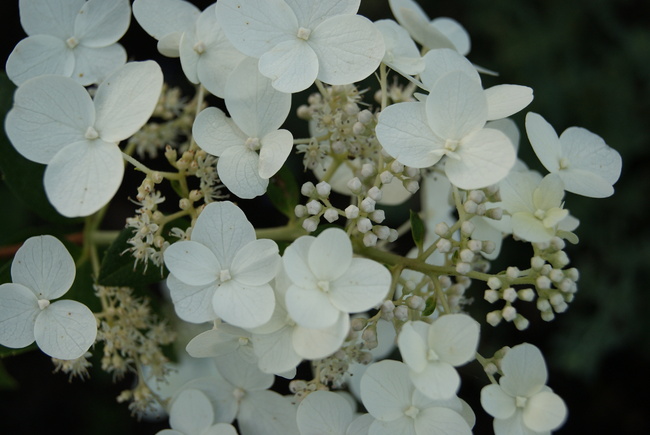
250,146
584,162
166,21
72,38
431,351
327,281
522,403
55,122
298,42
225,267
191,413
42,271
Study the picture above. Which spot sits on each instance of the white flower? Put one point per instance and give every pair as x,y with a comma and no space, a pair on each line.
327,281
250,146
223,265
584,162
166,20
390,397
71,38
43,270
431,351
535,206
298,42
449,123
522,403
402,54
221,340
55,122
191,413
325,413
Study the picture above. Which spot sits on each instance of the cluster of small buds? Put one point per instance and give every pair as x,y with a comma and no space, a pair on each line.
141,399
73,367
492,365
301,389
177,116
132,335
147,244
332,370
397,92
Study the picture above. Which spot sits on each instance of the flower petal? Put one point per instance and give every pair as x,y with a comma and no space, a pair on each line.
162,17
386,390
454,338
192,303
192,263
295,262
506,100
275,351
323,412
39,55
276,147
330,255
238,169
92,65
442,61
65,329
441,420
320,343
45,266
544,141
312,13
256,263
242,305
363,285
496,402
267,412
101,23
438,380
545,411
412,346
455,32
291,65
214,132
310,307
524,371
191,412
18,311
49,17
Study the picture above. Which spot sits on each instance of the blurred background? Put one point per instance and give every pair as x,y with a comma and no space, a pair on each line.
588,62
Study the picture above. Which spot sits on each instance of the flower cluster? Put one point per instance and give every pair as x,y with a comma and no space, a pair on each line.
330,291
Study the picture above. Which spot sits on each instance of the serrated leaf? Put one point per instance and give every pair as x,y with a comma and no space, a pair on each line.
118,267
417,229
429,306
283,192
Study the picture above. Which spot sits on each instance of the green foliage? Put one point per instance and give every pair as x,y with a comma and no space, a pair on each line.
429,307
417,229
283,192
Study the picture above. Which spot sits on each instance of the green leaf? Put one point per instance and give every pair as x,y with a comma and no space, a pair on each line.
23,177
283,192
417,229
118,267
429,306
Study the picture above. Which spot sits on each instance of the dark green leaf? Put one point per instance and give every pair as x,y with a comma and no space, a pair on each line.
283,192
429,306
417,229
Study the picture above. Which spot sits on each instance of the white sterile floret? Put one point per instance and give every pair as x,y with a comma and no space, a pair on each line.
449,123
191,413
250,146
298,42
73,38
325,413
584,162
166,21
41,271
522,403
535,206
327,281
223,271
402,54
390,397
55,122
431,352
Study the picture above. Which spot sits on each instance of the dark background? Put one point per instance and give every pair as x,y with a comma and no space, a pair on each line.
588,62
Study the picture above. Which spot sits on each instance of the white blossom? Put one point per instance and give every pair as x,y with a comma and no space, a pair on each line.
166,21
191,413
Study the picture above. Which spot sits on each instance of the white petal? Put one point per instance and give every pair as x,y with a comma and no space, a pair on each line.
363,285
311,13
508,127
253,103
485,158
398,7
544,141
513,425
39,55
549,192
529,228
310,307
92,65
256,263
412,347
83,177
192,303
215,133
101,23
266,412
456,106
192,263
401,52
243,374
517,191
191,412
442,61
65,329
214,342
238,169
455,32
223,227
45,266
189,56
126,99
275,351
360,425
49,113
506,100
524,371
403,130
403,426
349,49
438,380
291,65
244,306
276,147
320,343
454,338
220,393
18,311
323,412
169,45
295,262
330,255
256,26
496,402
386,390
441,420
49,17
161,17
545,411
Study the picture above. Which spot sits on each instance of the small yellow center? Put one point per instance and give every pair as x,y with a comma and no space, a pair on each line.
303,33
